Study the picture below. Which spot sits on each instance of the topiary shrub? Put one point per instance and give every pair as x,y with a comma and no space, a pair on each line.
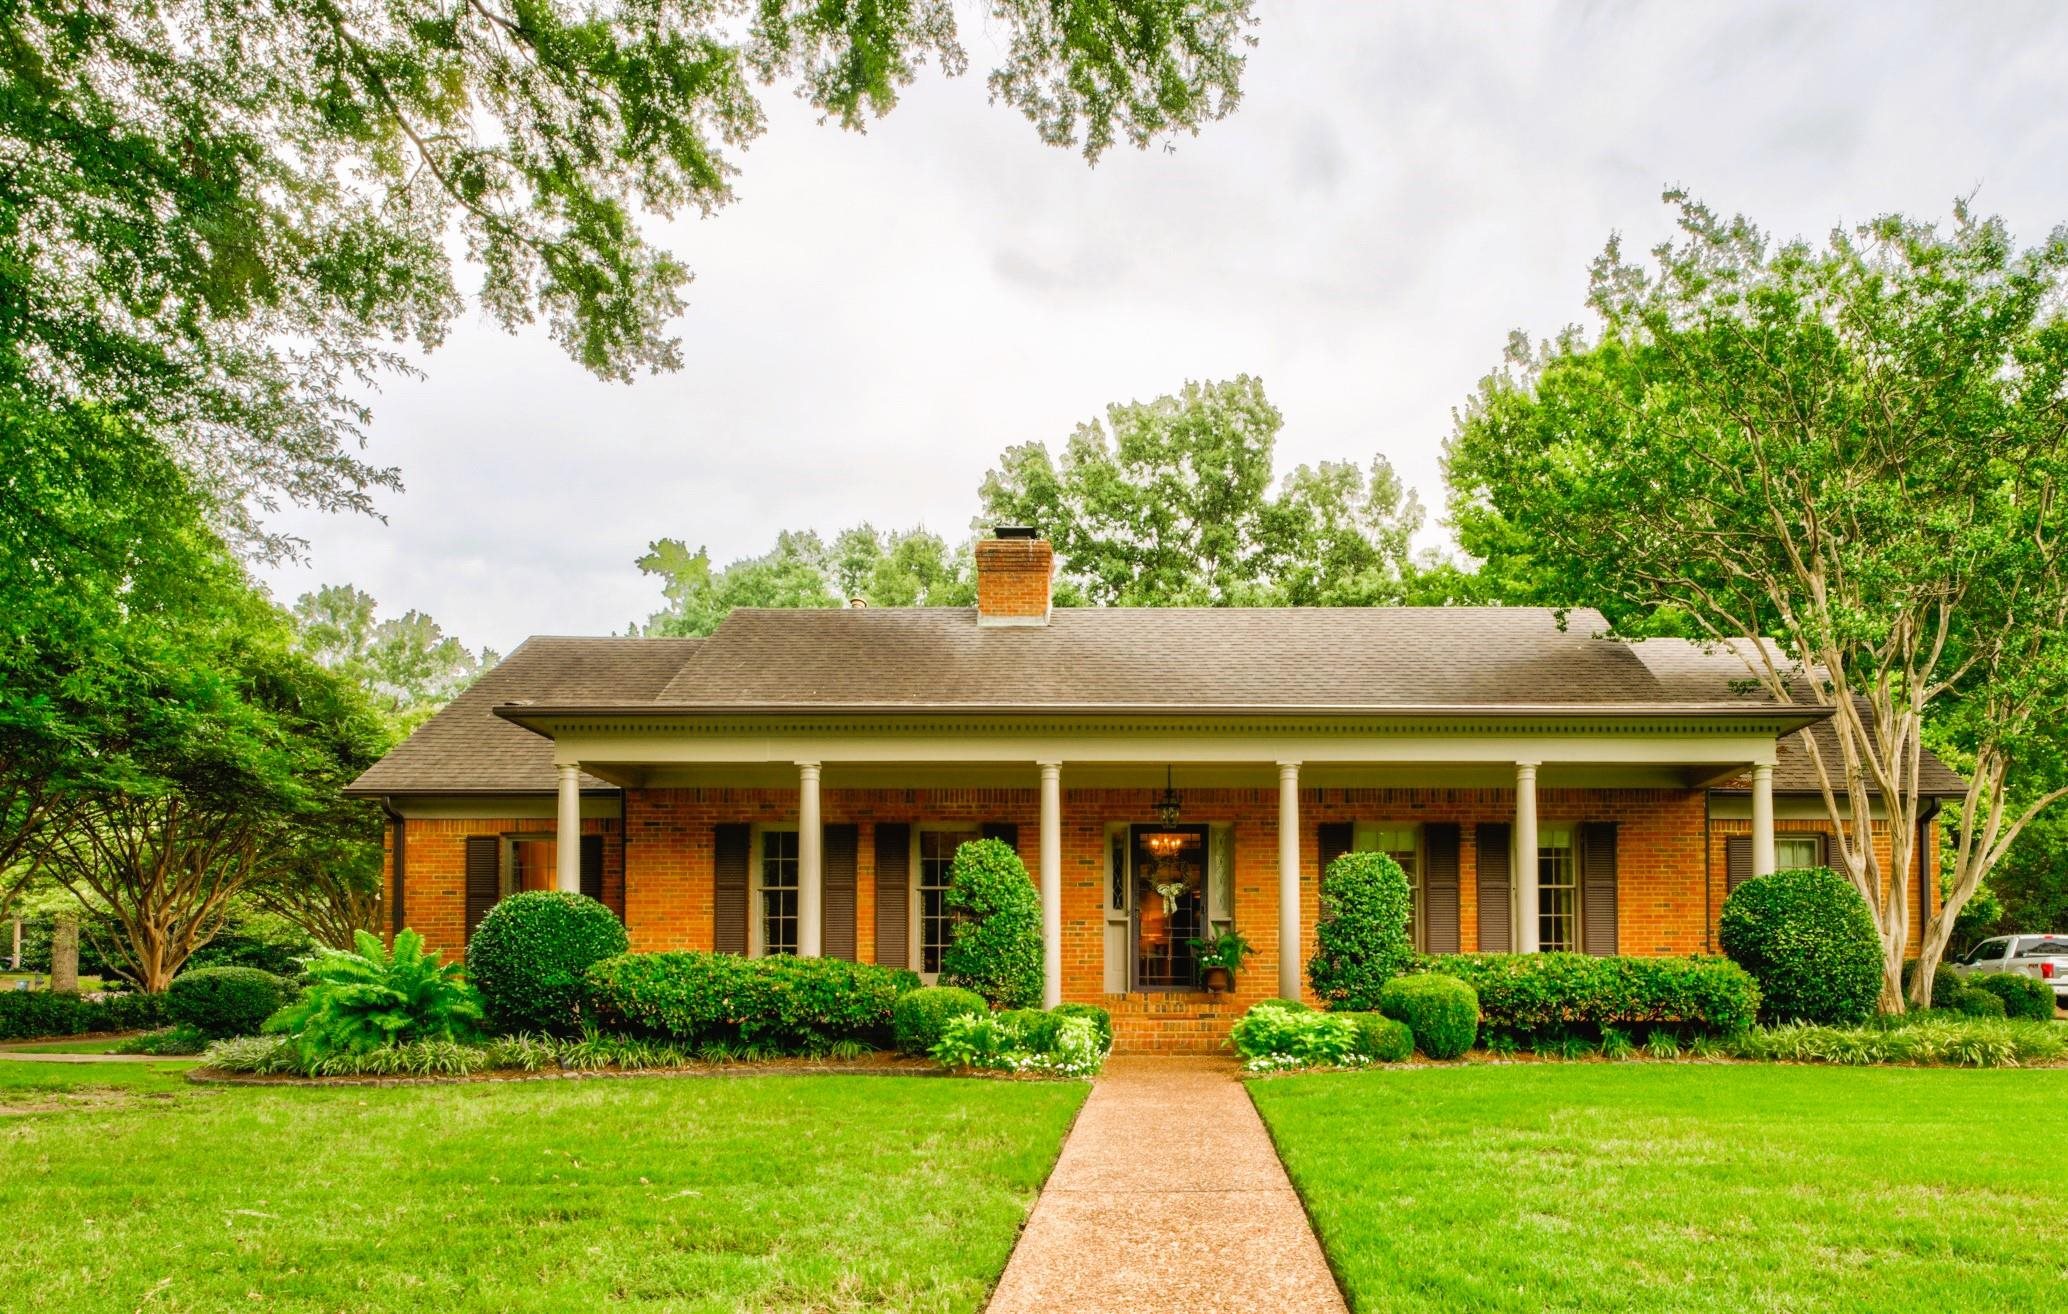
1543,994
2023,996
1365,937
1381,1039
1100,1019
225,1001
996,949
920,1016
1806,936
1442,1011
795,1005
530,954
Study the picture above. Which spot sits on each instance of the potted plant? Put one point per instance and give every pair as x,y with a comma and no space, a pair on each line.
1220,958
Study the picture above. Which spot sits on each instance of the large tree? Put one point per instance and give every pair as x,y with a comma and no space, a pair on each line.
894,569
1169,502
1854,449
222,221
407,664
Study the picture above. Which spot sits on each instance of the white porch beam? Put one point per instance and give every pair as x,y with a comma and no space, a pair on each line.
1762,820
1051,884
811,837
1289,880
567,837
1527,901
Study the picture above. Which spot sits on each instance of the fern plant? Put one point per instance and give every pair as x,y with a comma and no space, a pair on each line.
375,998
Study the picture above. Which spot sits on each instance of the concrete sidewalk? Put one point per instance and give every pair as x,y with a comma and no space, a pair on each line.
1168,1196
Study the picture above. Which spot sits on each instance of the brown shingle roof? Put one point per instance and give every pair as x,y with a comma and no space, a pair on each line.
467,748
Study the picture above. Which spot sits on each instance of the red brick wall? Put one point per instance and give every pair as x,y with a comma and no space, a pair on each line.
434,867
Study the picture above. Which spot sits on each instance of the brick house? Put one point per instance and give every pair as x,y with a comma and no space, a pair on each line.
798,782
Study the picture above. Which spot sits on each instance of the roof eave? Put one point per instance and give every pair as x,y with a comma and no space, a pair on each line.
1793,716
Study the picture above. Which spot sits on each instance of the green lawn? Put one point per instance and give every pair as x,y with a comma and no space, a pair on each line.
1683,1186
127,1188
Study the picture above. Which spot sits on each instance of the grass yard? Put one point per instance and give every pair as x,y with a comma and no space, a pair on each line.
126,1188
1683,1186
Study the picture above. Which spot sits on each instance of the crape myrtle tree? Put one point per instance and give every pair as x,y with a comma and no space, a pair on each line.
1856,450
222,222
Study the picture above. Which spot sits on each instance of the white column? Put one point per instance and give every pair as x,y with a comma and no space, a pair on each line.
1763,820
1289,965
567,841
1051,884
811,883
1527,906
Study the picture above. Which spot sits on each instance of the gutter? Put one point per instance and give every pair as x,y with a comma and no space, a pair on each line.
399,857
1801,715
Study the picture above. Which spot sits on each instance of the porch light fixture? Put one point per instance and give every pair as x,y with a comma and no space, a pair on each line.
1165,843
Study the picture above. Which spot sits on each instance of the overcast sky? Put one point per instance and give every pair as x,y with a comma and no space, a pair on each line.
878,316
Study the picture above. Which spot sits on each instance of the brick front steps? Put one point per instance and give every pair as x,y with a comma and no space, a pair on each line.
1171,1022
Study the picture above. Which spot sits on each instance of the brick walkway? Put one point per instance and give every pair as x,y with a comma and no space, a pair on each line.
1168,1196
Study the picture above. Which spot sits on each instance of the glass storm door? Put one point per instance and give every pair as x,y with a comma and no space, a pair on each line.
1168,905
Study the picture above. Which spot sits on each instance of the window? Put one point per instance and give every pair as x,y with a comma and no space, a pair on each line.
1797,851
1558,895
529,863
778,892
1988,951
936,863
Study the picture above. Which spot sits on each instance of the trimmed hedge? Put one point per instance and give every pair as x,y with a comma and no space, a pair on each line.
792,1004
996,950
225,1001
920,1016
530,954
2023,997
1365,937
1979,1003
1382,1039
1442,1011
1808,938
33,1014
1101,1020
1542,993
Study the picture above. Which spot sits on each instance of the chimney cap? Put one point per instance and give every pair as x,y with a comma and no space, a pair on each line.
1013,531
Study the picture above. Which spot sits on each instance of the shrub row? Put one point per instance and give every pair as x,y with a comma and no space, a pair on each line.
2024,998
792,1004
1531,993
30,1014
226,1001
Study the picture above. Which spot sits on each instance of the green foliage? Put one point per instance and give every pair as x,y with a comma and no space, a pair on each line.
1532,993
1975,1042
1809,940
226,1001
921,1015
407,665
1442,1011
34,1014
1662,1044
909,569
1299,1037
783,1004
1365,936
1947,985
1035,1029
1616,1045
267,941
374,998
531,954
1289,1005
975,1040
1101,1021
181,1039
1228,949
2023,997
996,950
1026,1041
1168,503
1381,1039
1973,1002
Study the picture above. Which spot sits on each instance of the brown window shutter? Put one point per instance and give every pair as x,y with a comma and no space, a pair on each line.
838,853
1737,861
729,854
1495,868
1598,887
592,867
1335,839
1003,830
1440,842
893,893
1823,849
484,877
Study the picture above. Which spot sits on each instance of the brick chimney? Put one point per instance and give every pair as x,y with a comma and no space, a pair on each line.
1015,572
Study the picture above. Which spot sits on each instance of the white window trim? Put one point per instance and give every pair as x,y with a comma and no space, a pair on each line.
912,901
507,878
757,934
1571,831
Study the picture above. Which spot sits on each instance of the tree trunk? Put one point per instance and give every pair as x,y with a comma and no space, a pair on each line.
14,961
64,953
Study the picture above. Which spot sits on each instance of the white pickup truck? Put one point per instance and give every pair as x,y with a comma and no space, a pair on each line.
2042,956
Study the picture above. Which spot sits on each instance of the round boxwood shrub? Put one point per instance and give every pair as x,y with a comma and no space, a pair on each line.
1365,937
1101,1020
997,943
1806,936
1441,1011
225,1001
919,1015
1975,1002
530,954
1381,1039
2023,996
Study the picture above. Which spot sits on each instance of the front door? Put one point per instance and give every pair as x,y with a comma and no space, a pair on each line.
1166,892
